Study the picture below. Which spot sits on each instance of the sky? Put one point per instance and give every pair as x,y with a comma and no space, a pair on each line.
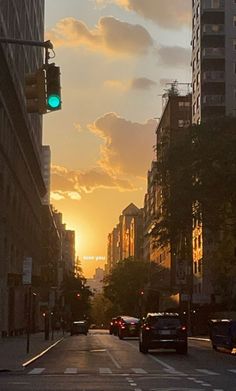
116,58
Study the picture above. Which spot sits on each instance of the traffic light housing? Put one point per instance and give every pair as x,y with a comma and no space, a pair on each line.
53,87
35,92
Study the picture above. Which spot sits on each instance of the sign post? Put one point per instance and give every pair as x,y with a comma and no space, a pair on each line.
27,280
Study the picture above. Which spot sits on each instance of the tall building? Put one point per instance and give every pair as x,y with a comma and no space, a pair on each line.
213,59
21,182
46,170
126,239
175,119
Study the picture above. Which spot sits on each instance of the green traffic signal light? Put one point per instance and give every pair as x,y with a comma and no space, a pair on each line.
53,87
53,101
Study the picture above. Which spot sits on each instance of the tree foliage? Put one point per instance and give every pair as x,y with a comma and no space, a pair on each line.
197,174
77,296
125,284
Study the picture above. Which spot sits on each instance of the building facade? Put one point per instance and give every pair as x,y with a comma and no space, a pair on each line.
126,239
175,119
46,170
213,59
21,182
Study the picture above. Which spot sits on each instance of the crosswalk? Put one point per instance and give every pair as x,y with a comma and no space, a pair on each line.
126,371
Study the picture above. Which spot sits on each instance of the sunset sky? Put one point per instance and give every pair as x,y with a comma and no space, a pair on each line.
115,58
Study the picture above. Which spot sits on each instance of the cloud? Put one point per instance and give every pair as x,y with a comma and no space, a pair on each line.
140,83
127,147
173,14
110,36
174,56
68,184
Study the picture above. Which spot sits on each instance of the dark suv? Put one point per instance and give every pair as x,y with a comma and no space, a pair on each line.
163,331
128,327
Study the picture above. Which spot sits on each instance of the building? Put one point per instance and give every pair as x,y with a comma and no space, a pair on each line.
213,59
46,170
96,283
175,119
21,181
126,239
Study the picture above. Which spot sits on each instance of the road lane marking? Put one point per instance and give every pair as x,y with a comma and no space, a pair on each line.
162,363
207,372
71,370
133,384
36,371
105,370
113,359
232,370
138,370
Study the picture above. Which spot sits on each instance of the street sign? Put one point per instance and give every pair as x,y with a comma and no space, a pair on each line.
27,271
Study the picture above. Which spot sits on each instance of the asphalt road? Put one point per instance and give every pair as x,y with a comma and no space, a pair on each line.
102,362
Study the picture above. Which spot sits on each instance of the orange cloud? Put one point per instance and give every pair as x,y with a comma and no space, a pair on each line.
139,83
172,14
110,36
127,147
72,184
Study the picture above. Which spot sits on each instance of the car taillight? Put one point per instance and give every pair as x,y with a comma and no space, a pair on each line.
111,323
183,328
147,328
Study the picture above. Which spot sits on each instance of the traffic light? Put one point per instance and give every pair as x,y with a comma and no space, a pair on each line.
35,92
53,87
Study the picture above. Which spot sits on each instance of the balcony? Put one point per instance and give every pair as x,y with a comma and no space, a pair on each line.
213,100
213,29
213,53
213,5
213,76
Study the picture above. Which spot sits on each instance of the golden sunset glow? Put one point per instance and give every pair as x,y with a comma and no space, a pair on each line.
113,67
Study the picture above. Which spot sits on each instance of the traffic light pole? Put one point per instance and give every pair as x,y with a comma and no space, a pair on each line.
47,45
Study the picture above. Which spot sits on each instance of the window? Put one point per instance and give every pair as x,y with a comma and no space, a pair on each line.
183,123
198,101
195,267
199,266
235,68
234,44
234,21
215,3
199,241
198,78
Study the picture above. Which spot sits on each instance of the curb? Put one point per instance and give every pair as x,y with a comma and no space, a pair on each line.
25,364
200,339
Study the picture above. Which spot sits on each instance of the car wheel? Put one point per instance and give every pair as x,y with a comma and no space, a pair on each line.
214,347
121,336
143,348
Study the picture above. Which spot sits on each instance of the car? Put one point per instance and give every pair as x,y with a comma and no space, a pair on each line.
113,326
128,326
163,330
79,327
223,334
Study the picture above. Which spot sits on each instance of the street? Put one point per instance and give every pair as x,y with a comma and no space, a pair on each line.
100,361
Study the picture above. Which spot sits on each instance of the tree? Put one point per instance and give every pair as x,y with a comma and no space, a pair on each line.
197,174
77,296
102,310
125,284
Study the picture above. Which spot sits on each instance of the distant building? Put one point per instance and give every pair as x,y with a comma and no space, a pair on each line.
126,239
213,59
96,283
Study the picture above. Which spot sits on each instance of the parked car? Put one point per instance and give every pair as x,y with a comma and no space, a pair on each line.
163,331
223,333
113,328
79,327
128,327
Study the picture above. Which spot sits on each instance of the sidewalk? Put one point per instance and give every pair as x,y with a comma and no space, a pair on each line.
13,349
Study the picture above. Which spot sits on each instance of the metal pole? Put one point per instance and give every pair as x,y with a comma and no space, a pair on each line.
46,44
28,320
